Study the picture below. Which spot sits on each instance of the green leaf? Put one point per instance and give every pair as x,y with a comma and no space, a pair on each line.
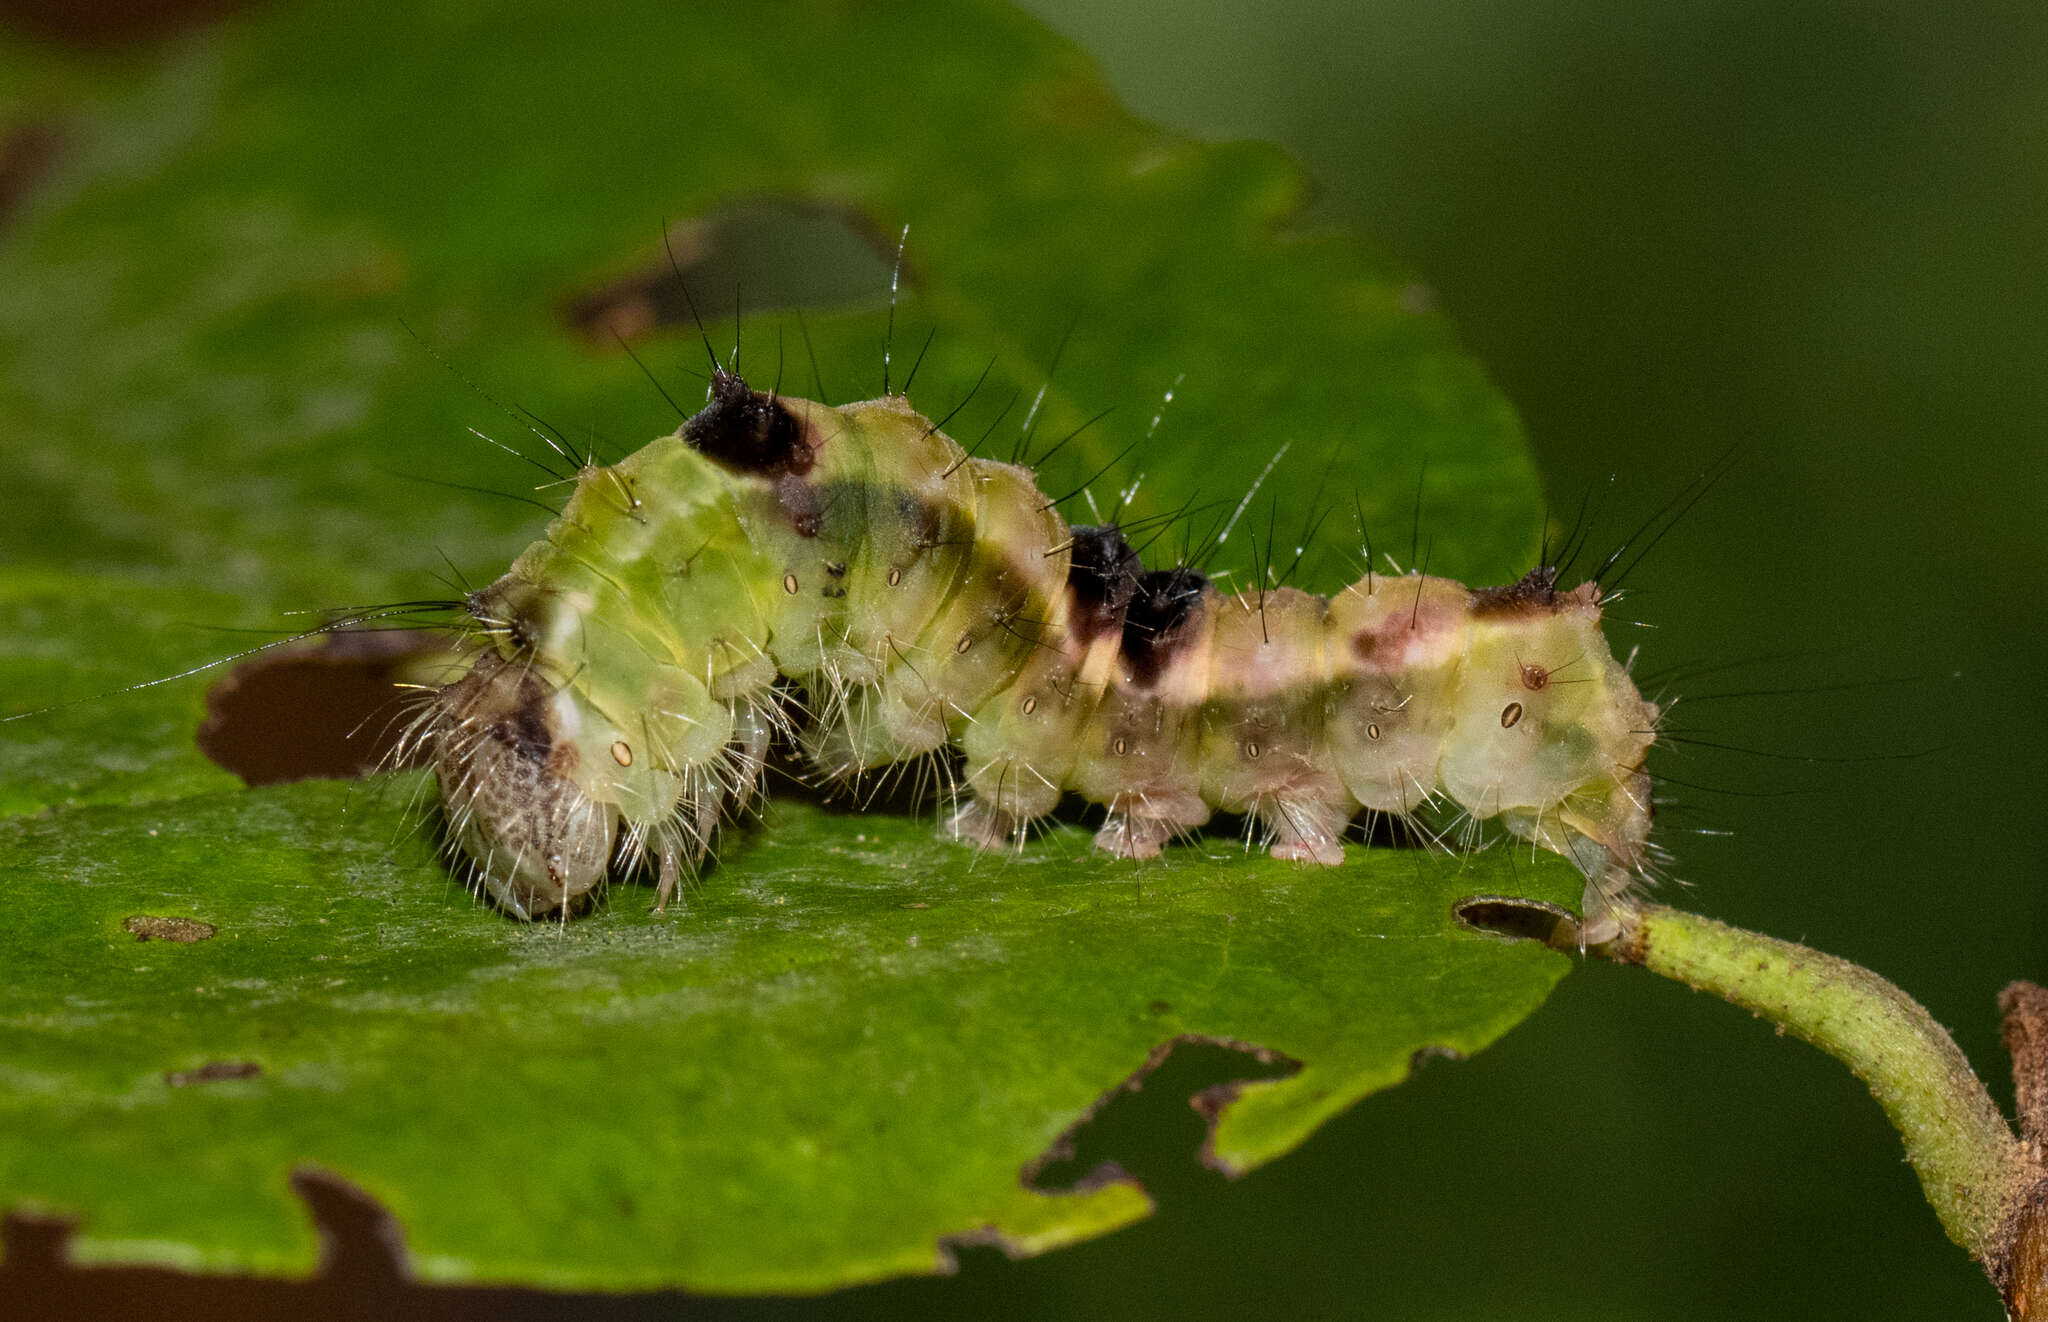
849,1048
855,1042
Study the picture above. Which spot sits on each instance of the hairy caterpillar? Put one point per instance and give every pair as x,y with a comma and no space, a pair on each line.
852,576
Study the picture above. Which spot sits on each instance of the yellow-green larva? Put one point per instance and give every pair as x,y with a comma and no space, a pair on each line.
851,574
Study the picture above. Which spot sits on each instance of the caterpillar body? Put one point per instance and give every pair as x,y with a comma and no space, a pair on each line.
852,576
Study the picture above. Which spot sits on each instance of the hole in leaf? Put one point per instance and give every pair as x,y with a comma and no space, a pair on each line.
774,255
359,1239
1423,1055
1521,918
363,1272
32,1242
1145,1127
955,1251
329,709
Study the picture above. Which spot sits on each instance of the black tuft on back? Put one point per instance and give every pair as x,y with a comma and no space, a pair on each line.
1535,590
748,431
1101,578
1155,625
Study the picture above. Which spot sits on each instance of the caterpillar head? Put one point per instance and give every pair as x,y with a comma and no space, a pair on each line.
535,841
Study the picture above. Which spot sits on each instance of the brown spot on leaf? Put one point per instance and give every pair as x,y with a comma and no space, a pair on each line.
185,931
213,1071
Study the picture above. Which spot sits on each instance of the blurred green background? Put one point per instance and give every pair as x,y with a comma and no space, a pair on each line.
1810,231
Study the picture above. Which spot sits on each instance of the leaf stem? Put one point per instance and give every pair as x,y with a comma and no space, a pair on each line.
1971,1167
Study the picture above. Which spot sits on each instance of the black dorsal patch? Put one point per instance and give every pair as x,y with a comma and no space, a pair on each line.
1156,628
747,431
1102,575
1535,590
525,728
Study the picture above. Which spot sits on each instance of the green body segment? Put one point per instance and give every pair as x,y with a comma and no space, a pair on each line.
851,575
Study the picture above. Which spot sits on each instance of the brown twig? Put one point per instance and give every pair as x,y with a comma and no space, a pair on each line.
2018,1262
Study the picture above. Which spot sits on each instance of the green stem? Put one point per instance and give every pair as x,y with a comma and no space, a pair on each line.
1969,1163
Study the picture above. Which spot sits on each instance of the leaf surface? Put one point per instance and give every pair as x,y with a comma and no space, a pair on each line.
227,296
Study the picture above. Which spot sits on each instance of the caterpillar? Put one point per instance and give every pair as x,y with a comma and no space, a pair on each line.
853,578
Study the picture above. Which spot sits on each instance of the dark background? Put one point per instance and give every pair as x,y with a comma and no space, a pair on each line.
1810,231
